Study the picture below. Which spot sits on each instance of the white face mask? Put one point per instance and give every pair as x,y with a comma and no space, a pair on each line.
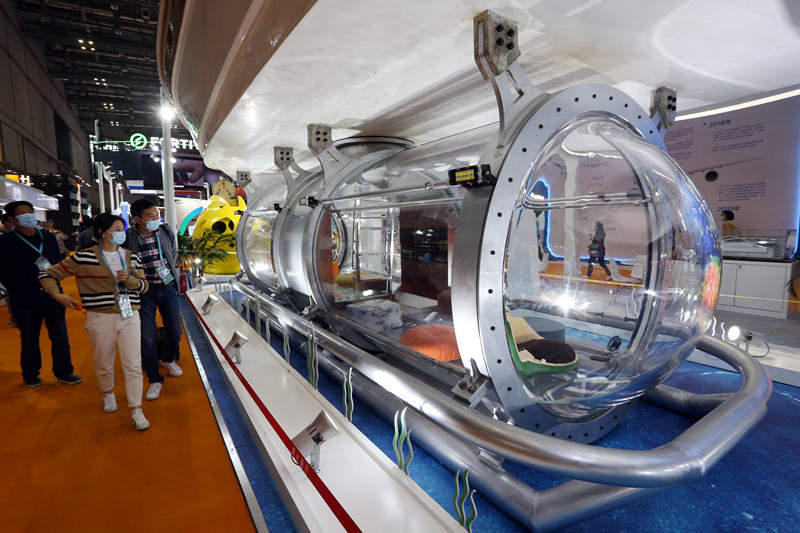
26,220
152,225
118,237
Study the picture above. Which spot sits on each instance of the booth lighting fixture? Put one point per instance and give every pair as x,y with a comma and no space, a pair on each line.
742,105
750,338
232,348
309,440
210,301
166,112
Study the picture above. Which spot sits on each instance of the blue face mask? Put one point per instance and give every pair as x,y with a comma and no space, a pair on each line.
153,225
118,237
27,220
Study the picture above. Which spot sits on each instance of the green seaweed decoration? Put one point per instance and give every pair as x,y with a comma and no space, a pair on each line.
312,363
401,436
347,394
287,350
460,498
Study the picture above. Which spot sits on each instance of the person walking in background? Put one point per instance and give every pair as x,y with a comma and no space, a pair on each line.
25,252
8,224
60,237
84,239
729,227
597,249
154,242
110,281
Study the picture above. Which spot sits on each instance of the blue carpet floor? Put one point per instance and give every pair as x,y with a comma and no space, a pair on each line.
753,488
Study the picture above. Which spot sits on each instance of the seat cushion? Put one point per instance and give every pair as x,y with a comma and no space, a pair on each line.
437,341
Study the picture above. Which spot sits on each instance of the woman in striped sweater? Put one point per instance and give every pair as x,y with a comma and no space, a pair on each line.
110,280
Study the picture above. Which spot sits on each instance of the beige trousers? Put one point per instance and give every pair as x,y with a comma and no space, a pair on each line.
107,332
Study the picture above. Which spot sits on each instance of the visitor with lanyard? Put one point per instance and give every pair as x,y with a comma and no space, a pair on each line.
25,252
110,282
154,243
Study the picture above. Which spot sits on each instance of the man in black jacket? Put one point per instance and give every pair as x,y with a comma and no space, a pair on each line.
154,242
23,254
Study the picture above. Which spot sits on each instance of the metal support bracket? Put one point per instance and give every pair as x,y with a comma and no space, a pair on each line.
496,54
243,178
320,142
473,387
665,103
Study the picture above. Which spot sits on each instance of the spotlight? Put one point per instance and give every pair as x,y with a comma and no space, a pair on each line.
309,440
210,301
166,112
232,348
750,338
734,333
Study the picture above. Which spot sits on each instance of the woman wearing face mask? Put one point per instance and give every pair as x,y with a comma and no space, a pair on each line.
110,280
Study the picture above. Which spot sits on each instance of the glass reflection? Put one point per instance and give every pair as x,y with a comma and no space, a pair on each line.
631,273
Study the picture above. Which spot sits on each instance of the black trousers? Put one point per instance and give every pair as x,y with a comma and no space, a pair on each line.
29,321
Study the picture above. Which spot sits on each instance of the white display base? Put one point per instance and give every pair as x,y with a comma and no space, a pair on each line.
782,363
371,488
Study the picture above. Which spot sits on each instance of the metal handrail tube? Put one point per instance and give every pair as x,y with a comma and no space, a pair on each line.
538,510
388,205
428,186
686,458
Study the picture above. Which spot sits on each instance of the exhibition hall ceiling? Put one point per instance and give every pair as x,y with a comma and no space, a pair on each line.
104,53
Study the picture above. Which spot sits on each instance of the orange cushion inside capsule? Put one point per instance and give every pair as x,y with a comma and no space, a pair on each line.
435,340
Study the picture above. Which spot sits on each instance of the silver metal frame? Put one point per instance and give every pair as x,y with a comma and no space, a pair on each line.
346,167
686,458
479,264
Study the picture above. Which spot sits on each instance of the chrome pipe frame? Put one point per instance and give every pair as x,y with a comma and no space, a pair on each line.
538,510
684,459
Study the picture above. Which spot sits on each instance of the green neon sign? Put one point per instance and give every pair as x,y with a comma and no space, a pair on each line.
138,141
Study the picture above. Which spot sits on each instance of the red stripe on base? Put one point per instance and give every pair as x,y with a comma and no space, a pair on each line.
338,510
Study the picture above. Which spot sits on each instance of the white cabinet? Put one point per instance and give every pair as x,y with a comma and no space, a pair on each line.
755,287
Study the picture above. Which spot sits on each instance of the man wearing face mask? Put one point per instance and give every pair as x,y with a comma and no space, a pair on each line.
23,254
154,243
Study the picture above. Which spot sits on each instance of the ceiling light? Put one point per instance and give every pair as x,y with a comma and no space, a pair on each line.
93,49
80,41
83,48
91,42
166,112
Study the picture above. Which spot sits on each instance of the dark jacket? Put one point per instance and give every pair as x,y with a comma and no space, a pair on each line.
85,240
18,271
168,246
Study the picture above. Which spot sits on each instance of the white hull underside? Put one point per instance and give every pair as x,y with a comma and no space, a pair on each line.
407,69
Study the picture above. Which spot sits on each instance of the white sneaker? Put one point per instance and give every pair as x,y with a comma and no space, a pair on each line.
174,370
153,392
109,402
137,416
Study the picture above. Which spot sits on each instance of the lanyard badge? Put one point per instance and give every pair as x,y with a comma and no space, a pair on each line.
125,309
42,264
164,273
124,300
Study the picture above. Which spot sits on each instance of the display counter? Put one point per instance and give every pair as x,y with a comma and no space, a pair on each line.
756,287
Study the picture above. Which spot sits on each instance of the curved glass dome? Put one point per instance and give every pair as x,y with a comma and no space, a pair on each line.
255,237
612,269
